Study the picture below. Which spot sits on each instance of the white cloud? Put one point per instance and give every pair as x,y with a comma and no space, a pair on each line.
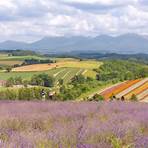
32,19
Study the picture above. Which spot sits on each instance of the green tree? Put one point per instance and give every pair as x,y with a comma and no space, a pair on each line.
18,80
98,97
8,69
43,80
61,81
78,79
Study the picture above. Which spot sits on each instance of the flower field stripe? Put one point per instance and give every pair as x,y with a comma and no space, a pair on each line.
137,90
109,91
145,98
119,88
143,94
131,88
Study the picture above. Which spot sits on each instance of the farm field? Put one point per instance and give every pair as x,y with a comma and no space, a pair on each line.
18,58
72,64
10,63
7,60
42,124
60,73
26,72
137,87
63,69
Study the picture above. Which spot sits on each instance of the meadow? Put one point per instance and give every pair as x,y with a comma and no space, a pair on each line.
73,125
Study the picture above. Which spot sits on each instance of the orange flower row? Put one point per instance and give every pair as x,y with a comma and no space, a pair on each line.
137,91
117,89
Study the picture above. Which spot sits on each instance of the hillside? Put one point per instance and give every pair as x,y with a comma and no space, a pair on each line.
127,43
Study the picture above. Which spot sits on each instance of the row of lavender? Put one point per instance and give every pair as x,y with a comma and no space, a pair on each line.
73,125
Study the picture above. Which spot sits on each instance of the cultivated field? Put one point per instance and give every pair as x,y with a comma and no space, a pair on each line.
137,87
73,125
5,57
7,60
63,69
72,64
10,63
58,73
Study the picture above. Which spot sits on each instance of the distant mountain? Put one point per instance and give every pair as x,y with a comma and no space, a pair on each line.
11,45
127,43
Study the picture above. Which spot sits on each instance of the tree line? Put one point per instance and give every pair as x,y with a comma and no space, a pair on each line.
120,70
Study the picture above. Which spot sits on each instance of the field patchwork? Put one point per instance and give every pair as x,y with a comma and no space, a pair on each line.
127,89
61,64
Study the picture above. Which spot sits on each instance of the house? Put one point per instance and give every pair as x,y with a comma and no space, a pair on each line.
2,83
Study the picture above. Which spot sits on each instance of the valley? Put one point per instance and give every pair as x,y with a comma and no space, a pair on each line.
63,71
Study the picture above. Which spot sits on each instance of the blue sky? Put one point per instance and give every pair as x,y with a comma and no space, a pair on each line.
29,20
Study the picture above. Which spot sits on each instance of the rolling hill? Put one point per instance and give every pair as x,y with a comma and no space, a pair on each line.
127,43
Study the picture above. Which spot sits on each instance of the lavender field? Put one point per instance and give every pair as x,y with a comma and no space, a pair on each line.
73,125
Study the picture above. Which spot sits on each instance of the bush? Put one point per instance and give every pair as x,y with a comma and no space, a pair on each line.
134,98
9,94
42,80
14,81
98,97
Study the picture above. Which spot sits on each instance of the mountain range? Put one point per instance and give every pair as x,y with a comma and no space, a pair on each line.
127,43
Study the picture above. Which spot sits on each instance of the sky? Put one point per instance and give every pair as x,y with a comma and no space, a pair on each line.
30,20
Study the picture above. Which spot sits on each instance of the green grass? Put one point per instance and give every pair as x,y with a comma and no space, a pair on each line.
94,91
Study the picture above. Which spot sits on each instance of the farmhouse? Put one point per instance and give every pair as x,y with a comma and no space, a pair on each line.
2,83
